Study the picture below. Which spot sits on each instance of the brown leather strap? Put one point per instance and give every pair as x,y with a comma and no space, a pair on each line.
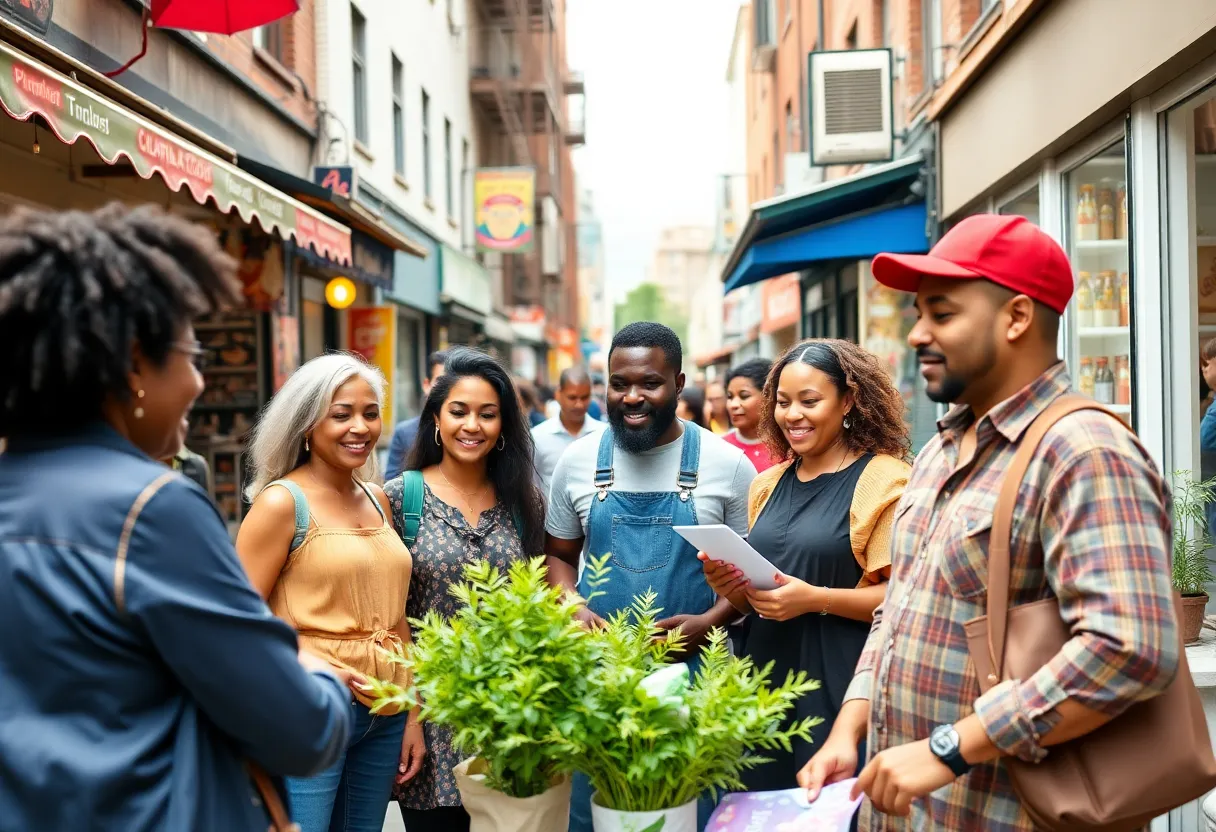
1002,519
280,821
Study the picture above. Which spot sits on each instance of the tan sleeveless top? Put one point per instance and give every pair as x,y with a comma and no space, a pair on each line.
344,590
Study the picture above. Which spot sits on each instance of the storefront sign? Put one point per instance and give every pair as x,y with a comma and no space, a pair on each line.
529,324
372,332
506,208
373,260
28,88
286,348
464,281
781,303
337,178
36,14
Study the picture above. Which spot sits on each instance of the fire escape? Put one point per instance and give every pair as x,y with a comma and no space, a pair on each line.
513,83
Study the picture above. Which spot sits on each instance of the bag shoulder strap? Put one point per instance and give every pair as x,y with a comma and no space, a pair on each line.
1002,517
128,529
280,821
411,506
301,504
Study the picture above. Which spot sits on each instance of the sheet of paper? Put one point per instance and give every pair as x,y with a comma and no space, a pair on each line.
722,543
786,811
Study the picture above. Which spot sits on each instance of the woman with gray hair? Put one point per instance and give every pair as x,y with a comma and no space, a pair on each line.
316,543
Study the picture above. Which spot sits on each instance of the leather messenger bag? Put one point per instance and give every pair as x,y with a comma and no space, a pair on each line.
1152,758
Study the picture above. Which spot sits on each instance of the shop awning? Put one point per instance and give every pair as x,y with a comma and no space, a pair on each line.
122,138
708,359
340,207
842,219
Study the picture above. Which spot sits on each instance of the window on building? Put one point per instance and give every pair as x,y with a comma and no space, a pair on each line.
270,40
426,145
792,144
358,61
934,52
398,117
464,167
883,15
850,40
449,193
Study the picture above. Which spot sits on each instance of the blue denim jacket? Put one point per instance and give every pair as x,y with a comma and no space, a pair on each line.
139,718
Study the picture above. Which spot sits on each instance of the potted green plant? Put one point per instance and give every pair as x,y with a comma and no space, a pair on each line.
655,738
509,673
1192,539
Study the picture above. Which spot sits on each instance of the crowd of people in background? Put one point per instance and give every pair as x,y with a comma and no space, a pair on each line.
168,664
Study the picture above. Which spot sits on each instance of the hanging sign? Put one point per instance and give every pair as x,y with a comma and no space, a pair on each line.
505,199
372,332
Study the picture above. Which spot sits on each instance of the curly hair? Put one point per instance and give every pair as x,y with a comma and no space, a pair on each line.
79,289
877,424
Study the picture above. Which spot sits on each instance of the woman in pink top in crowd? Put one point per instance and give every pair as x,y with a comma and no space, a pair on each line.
745,404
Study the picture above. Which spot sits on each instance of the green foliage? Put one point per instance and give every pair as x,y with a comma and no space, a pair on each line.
1192,537
645,302
653,740
510,674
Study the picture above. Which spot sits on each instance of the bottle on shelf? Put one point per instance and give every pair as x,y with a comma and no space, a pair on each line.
1085,301
1087,214
1123,379
1121,212
1125,300
1106,300
1104,381
1085,380
1106,214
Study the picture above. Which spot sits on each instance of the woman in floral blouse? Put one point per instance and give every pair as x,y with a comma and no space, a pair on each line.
474,450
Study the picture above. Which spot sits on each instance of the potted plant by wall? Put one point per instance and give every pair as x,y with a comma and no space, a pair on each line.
655,739
508,673
1192,539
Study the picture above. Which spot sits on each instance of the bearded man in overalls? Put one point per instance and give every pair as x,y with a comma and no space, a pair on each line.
620,491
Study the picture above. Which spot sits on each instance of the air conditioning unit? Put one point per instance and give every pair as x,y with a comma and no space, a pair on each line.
850,107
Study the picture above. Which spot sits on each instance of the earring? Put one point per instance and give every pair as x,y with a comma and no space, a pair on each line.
847,423
503,446
139,411
437,442
306,444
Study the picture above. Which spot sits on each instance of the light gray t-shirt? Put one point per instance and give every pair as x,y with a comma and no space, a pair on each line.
725,475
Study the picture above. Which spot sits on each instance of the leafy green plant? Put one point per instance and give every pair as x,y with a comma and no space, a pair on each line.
1192,537
654,738
510,673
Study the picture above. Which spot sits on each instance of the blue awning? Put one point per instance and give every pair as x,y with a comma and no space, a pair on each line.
900,230
852,218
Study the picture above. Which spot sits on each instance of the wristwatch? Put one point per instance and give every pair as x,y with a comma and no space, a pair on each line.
943,742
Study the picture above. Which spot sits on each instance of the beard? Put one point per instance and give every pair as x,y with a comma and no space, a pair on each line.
639,440
953,386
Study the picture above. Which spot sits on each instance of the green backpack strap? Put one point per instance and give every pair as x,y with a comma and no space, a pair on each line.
301,505
411,506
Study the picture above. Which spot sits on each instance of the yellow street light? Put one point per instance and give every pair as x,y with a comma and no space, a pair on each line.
340,292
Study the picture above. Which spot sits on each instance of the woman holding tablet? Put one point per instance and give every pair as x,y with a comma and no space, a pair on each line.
823,517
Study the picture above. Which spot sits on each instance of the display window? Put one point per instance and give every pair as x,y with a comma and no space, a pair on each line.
1101,349
1025,205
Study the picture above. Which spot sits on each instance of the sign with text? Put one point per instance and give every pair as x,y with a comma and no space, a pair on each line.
372,332
505,199
337,178
781,299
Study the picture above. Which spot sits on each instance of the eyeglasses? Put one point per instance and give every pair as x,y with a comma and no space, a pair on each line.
194,350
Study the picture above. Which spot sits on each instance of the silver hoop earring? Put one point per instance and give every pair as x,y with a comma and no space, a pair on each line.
503,446
847,423
437,442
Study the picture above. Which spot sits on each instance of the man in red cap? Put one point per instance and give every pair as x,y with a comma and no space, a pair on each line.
1091,528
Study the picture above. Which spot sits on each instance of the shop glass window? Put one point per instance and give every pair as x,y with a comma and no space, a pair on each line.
1203,187
1101,349
1026,205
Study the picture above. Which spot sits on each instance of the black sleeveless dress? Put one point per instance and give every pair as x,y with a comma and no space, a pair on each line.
804,531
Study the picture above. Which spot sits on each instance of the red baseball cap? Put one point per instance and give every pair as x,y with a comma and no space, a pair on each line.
1006,250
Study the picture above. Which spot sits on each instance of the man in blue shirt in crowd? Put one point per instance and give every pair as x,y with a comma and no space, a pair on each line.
405,432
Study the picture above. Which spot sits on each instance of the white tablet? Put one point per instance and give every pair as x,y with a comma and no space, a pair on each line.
724,544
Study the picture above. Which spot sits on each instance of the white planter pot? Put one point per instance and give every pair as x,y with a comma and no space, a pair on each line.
680,819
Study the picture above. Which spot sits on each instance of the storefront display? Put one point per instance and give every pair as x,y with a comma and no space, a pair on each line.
1101,344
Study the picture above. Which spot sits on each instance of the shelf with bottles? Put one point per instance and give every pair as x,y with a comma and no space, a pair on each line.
1092,248
1100,215
1093,332
1103,302
1107,380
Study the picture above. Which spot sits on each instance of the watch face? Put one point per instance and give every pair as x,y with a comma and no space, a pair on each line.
943,740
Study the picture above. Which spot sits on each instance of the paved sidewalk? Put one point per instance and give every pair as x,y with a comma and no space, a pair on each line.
392,819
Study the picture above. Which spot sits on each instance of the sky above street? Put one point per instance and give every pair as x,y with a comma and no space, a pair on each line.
656,110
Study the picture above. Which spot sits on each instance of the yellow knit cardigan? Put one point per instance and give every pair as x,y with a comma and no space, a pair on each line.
871,513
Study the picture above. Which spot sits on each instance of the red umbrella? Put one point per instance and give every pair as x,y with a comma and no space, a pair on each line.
223,17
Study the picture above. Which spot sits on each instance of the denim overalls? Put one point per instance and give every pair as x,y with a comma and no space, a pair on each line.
635,526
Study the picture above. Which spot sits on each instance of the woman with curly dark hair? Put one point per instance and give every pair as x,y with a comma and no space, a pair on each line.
823,517
468,494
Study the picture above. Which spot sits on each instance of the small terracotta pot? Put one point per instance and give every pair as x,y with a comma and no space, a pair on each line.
1190,616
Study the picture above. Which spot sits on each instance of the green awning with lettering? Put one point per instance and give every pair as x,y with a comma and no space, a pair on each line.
73,111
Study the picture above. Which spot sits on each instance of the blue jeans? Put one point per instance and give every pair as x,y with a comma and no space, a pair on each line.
352,795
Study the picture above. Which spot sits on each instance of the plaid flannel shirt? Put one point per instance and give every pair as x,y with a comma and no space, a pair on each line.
1092,527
